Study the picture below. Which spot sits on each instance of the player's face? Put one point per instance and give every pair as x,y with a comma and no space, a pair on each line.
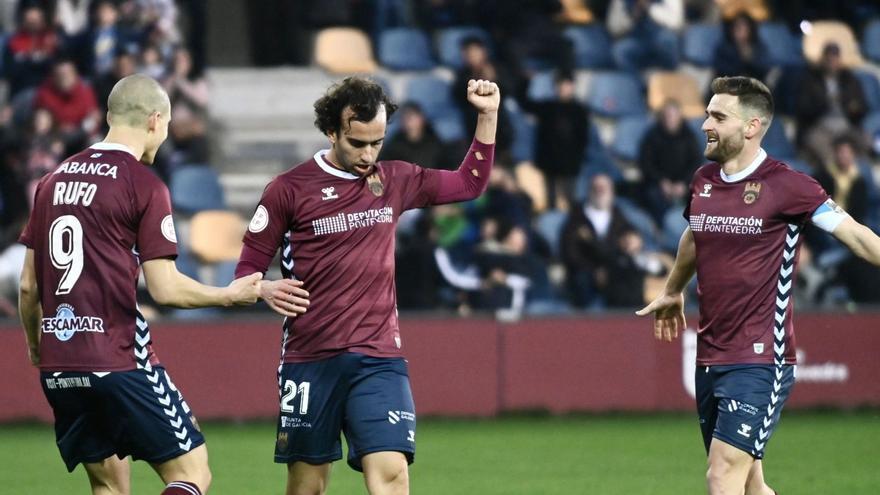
158,132
356,147
724,127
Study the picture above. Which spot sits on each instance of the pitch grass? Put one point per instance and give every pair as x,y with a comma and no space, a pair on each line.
811,453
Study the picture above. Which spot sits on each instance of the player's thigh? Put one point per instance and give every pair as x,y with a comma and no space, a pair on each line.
311,410
380,413
307,479
84,433
112,476
707,403
386,472
729,466
191,466
751,398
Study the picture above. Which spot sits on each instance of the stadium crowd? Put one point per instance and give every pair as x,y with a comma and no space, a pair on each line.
598,138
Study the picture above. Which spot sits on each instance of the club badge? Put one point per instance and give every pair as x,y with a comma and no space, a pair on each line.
375,183
752,192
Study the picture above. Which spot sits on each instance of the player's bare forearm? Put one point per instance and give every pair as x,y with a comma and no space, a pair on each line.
487,125
685,264
169,287
29,309
485,96
860,239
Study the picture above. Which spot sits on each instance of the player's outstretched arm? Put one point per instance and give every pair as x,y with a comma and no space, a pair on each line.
668,308
286,297
169,287
860,239
486,98
29,309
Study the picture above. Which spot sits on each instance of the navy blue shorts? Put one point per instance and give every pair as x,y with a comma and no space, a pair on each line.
741,404
368,399
138,413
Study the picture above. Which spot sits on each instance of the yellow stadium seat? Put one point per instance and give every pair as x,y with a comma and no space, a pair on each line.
344,51
531,180
215,235
676,86
823,32
756,9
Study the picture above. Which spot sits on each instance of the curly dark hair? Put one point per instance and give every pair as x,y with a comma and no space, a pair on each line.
362,95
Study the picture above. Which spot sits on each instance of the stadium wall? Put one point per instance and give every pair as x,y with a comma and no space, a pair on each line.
477,367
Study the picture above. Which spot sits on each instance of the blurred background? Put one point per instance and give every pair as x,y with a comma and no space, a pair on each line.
520,300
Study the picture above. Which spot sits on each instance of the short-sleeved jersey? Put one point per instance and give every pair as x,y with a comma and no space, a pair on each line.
746,230
95,218
336,232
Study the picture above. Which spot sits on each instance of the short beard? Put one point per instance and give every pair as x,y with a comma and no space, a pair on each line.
726,149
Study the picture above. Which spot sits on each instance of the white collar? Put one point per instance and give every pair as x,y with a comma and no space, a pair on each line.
330,169
105,146
742,174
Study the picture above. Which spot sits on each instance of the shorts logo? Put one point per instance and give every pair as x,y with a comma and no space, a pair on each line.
65,323
395,417
259,221
412,436
759,347
745,430
752,192
168,229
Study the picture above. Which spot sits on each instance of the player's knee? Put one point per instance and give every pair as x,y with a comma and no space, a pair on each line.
300,483
390,478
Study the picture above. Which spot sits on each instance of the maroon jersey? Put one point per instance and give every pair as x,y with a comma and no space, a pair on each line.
96,217
337,232
747,232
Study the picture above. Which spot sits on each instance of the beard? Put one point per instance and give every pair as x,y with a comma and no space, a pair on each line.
725,149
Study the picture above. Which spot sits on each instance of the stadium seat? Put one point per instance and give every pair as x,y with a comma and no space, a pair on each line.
756,9
640,220
628,136
524,135
542,87
549,226
215,236
699,42
532,182
871,88
597,154
871,126
449,43
696,125
783,48
871,40
449,126
822,32
195,188
405,49
616,94
776,142
344,51
786,90
431,93
592,46
677,86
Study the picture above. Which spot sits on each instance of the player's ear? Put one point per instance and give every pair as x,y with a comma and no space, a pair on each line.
153,122
754,128
331,135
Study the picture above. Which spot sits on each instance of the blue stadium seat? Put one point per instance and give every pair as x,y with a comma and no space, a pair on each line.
696,125
628,135
616,94
786,90
699,42
640,220
542,87
449,126
449,43
431,93
524,134
549,226
871,124
871,88
871,40
405,49
597,153
195,188
776,143
783,48
592,46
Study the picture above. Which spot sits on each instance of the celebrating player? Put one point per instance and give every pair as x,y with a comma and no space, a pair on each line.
96,218
746,214
334,219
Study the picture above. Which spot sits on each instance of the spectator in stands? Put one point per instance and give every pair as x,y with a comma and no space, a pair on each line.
183,85
103,39
29,51
590,237
72,16
647,32
188,136
71,102
45,147
416,141
152,63
668,155
505,199
830,103
529,35
843,181
562,138
741,52
478,65
123,66
633,275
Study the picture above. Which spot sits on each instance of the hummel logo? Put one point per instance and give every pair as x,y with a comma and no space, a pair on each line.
95,155
745,430
707,191
328,193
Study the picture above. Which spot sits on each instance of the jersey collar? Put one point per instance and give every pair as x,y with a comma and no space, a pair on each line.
742,174
330,169
104,146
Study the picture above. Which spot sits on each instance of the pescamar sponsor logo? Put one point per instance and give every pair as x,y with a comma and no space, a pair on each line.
65,323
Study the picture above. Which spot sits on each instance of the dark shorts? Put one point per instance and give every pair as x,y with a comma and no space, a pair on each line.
138,413
741,404
368,399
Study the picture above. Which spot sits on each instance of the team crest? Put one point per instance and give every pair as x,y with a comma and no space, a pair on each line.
282,440
375,183
752,192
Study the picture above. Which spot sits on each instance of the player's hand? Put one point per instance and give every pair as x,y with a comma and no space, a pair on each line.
245,290
286,297
484,95
668,312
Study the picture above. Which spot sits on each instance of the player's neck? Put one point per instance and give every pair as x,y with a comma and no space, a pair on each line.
741,161
127,137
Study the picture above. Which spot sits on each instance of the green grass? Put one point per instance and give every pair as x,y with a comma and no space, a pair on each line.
811,453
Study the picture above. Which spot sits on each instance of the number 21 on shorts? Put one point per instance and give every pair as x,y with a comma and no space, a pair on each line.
290,393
